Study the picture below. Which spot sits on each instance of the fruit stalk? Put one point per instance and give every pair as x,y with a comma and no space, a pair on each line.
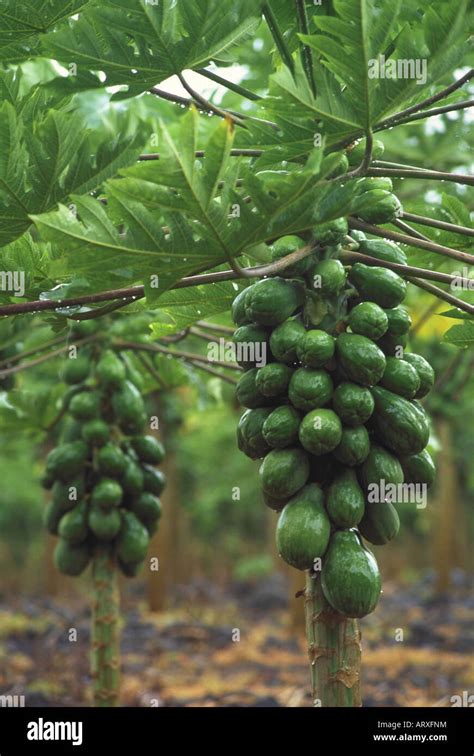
105,631
334,650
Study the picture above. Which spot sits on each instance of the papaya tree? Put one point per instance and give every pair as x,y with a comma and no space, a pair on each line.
124,195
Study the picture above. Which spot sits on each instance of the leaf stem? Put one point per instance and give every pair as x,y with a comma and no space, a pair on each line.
443,225
385,233
237,88
428,101
456,178
190,356
405,271
278,37
306,54
201,101
462,105
444,295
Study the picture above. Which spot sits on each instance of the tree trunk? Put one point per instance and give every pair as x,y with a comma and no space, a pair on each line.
446,523
334,650
105,631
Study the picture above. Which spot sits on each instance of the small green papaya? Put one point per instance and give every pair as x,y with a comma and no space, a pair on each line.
285,246
107,494
379,285
327,277
310,388
316,348
320,431
77,369
148,449
272,300
284,471
111,461
105,525
353,447
280,427
147,508
400,424
73,525
401,378
425,373
85,405
273,379
67,460
154,480
368,319
380,523
284,341
129,408
132,480
360,358
95,432
354,404
251,346
350,577
272,502
247,392
331,233
238,308
110,370
303,528
419,468
345,501
71,559
132,540
399,321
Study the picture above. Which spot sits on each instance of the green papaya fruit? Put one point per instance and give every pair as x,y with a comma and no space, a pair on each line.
47,480
67,495
105,525
316,348
77,369
285,246
107,494
419,468
111,461
272,502
425,373
350,577
95,432
310,388
378,206
132,569
247,393
273,379
284,471
82,329
353,447
368,319
238,308
331,233
327,278
380,523
71,559
250,439
393,346
147,508
85,406
154,481
67,460
401,378
132,540
345,501
380,465
356,152
354,404
272,300
51,517
129,408
132,480
284,341
148,449
73,525
280,427
110,370
303,528
399,321
360,358
320,431
383,249
400,425
251,346
379,285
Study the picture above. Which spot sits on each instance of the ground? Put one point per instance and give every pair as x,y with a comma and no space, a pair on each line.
417,649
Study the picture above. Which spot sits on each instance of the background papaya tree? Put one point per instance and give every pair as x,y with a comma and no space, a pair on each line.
120,194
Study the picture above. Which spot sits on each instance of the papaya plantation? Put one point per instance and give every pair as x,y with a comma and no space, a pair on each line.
236,323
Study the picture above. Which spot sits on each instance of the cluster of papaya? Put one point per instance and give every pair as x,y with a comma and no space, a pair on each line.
103,477
333,406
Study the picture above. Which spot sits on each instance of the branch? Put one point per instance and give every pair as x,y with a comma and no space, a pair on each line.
45,357
215,327
137,346
238,88
444,295
212,371
462,105
406,271
200,100
404,239
205,336
428,101
138,292
306,54
424,221
202,154
456,178
30,352
409,230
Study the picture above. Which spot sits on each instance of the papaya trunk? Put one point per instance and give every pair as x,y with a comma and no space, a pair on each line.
105,631
334,650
